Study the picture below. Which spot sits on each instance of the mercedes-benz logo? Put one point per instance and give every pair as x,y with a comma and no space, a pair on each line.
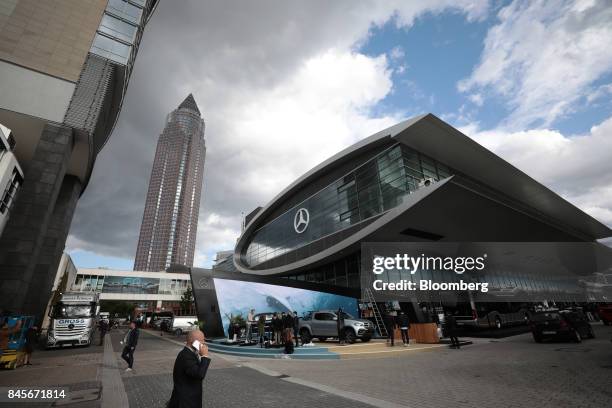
204,282
301,220
71,326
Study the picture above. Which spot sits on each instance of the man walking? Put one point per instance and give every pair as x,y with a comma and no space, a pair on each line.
189,371
404,324
451,330
129,345
103,327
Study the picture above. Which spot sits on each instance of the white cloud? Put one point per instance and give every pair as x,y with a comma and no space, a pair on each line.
476,99
397,53
543,57
576,167
281,87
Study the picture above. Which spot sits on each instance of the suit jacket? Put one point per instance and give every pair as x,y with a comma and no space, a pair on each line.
188,374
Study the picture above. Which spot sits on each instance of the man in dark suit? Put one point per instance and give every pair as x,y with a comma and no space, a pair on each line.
129,345
189,371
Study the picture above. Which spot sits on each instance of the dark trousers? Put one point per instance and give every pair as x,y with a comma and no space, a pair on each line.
102,334
278,334
296,336
454,340
405,337
391,335
128,355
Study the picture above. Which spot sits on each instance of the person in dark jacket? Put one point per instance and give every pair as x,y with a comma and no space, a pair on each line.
190,368
277,326
103,327
390,325
340,325
296,328
451,330
129,345
404,324
30,339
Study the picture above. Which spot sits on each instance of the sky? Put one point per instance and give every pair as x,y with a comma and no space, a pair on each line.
284,85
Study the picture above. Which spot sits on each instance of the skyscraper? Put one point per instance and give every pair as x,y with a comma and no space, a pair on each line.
64,70
170,219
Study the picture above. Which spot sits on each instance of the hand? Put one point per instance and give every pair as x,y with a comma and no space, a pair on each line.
203,350
132,348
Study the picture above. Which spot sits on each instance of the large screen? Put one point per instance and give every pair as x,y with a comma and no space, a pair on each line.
238,297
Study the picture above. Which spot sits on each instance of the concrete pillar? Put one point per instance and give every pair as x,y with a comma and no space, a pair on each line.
22,244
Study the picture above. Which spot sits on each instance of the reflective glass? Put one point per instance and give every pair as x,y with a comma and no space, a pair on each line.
111,49
117,28
378,185
124,10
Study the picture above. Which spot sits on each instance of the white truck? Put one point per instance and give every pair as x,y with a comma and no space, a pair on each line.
73,320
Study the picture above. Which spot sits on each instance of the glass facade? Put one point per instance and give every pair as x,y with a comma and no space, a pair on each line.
130,285
117,31
380,184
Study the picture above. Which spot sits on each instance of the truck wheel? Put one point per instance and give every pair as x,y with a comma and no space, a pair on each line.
498,323
322,339
349,336
365,339
178,332
305,336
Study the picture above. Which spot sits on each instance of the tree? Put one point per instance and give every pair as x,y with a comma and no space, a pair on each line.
187,300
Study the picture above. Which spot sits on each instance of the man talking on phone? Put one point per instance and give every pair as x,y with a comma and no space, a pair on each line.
189,371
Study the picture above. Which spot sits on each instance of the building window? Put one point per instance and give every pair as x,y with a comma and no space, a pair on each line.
117,28
111,49
124,10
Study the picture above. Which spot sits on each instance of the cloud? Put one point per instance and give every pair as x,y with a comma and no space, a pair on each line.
281,86
543,57
578,167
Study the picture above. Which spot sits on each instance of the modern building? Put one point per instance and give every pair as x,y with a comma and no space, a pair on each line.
148,291
64,72
418,181
11,175
170,219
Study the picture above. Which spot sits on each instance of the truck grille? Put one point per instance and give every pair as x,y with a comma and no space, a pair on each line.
63,330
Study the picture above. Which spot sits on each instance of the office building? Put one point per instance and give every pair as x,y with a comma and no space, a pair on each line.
170,219
64,72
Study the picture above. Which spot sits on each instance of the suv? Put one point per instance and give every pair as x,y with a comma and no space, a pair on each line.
322,324
565,324
605,313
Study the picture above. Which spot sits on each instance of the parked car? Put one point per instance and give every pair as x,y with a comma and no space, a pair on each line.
322,324
181,324
560,325
157,322
605,313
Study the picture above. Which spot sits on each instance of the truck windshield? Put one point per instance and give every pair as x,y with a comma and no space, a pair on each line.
72,311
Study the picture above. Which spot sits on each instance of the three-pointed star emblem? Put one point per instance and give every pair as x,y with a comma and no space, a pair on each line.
301,220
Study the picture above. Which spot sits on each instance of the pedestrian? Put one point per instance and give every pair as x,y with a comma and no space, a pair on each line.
451,330
250,322
277,326
129,345
103,327
296,328
30,339
404,324
390,325
190,368
340,325
261,323
288,335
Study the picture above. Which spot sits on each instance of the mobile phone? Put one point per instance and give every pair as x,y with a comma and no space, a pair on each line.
196,345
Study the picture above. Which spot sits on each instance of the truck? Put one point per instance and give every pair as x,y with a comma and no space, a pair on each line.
322,324
73,320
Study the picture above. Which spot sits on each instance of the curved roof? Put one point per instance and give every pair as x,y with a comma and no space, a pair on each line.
430,135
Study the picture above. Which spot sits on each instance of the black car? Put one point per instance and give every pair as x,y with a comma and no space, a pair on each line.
560,325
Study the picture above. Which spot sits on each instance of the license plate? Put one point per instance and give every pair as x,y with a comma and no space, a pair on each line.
549,332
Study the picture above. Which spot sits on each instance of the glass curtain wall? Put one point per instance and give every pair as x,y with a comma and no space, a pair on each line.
378,185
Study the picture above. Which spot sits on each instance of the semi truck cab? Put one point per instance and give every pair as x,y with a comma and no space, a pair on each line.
73,320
